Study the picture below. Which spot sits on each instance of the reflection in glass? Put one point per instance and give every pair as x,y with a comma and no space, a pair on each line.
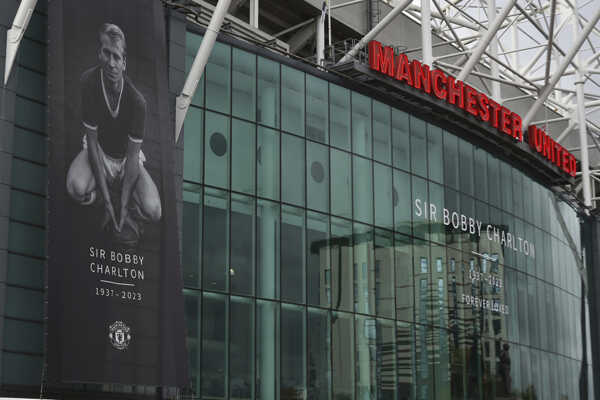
317,118
435,155
341,264
404,277
381,133
214,345
218,78
339,110
418,146
292,254
293,352
341,184
193,324
267,350
267,249
194,145
400,140
267,158
317,176
361,125
242,160
318,264
216,144
292,100
241,269
319,349
192,231
268,92
451,160
384,274
383,196
364,277
401,199
241,348
216,239
292,169
363,189
244,84
342,335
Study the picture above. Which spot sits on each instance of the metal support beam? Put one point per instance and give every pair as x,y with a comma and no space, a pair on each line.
182,103
373,32
496,93
15,34
426,31
562,67
321,36
566,132
254,12
485,40
584,155
302,37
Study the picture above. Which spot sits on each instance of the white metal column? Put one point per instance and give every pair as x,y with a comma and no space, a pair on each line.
492,15
15,34
485,40
254,11
426,31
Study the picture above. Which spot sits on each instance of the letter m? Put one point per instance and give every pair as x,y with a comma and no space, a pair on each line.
381,58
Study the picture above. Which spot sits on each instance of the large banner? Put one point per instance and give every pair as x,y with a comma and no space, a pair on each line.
115,307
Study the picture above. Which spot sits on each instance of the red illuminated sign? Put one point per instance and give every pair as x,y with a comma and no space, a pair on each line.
460,94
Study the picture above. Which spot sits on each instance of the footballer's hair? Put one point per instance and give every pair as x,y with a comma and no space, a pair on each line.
114,33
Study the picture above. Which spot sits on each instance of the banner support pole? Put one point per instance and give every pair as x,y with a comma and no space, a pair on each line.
15,34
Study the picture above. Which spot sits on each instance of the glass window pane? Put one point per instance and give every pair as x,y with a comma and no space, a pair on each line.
364,276
361,125
214,345
216,160
292,254
216,239
317,115
29,176
466,166
317,172
193,145
32,146
319,352
292,100
267,249
342,335
381,133
450,160
267,157
406,360
363,189
481,174
192,44
241,266
27,207
318,266
241,349
383,196
244,84
341,184
404,277
192,235
339,110
242,160
292,169
494,181
384,274
218,78
418,146
341,264
420,200
268,92
267,350
435,209
401,199
506,185
435,153
293,352
366,368
400,140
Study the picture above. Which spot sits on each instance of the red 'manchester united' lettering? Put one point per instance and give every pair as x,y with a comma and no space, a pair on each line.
467,98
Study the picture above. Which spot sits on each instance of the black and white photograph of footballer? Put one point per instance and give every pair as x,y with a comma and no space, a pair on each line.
108,174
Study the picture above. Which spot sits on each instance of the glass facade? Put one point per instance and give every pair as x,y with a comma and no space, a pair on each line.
339,248
318,261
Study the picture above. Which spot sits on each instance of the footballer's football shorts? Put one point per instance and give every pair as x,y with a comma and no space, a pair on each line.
113,167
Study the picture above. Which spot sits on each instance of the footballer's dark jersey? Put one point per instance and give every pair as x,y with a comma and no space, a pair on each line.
116,127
